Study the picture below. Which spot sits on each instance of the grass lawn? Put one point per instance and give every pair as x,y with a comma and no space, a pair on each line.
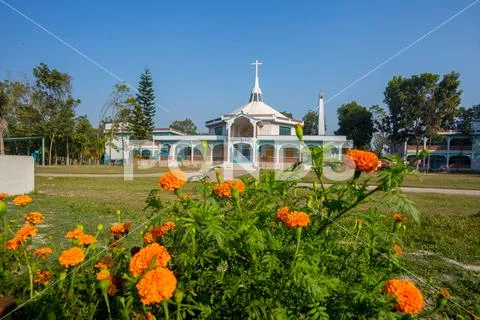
449,228
98,169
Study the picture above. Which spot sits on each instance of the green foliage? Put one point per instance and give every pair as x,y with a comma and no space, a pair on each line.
186,126
144,111
233,259
310,123
421,105
355,122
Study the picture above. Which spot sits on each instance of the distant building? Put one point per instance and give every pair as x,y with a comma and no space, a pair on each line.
453,151
254,134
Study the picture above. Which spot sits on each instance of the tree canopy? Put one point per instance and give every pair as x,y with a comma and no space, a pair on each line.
186,126
355,122
310,123
421,105
143,114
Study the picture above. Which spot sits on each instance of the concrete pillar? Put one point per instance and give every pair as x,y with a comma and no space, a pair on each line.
449,139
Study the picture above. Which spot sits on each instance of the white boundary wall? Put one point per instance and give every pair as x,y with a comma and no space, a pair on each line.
16,174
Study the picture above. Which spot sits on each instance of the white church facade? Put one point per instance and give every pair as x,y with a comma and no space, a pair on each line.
254,134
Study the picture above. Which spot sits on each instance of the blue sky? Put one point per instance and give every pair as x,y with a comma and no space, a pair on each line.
199,52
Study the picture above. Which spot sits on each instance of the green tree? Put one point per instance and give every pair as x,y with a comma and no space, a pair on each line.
421,105
118,111
465,117
146,100
355,122
12,97
310,123
380,141
287,114
186,126
137,121
53,106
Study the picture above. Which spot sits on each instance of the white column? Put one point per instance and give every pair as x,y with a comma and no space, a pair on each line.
277,156
448,151
192,151
321,116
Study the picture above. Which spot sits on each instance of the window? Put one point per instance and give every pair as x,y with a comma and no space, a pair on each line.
285,131
218,131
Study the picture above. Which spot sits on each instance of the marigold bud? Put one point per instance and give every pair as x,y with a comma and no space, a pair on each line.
3,207
299,131
100,227
179,296
218,175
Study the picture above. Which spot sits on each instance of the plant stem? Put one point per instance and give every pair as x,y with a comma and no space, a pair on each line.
299,233
356,203
105,296
165,310
30,273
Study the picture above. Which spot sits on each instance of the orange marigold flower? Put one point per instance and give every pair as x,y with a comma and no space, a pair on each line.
159,231
444,292
14,243
120,229
148,238
26,231
282,213
103,274
34,218
156,286
223,190
74,234
150,316
42,277
237,184
399,218
3,195
71,257
297,219
409,299
86,239
398,249
365,161
42,252
22,200
172,180
143,259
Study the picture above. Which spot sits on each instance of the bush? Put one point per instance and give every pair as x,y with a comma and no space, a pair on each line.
235,250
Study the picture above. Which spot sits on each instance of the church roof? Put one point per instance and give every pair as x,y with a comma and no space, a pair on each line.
255,107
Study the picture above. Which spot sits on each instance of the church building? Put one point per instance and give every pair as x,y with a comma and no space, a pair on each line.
254,134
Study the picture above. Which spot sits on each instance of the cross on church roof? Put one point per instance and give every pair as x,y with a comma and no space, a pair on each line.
256,94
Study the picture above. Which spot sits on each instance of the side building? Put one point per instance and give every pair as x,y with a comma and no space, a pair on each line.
452,151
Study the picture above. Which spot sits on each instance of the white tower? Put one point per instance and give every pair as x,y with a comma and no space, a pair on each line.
321,116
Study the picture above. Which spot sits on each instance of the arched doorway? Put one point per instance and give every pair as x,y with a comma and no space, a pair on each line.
438,163
289,154
218,153
164,152
183,152
242,127
241,153
266,153
459,162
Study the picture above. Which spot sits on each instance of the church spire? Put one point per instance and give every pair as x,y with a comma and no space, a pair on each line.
256,94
